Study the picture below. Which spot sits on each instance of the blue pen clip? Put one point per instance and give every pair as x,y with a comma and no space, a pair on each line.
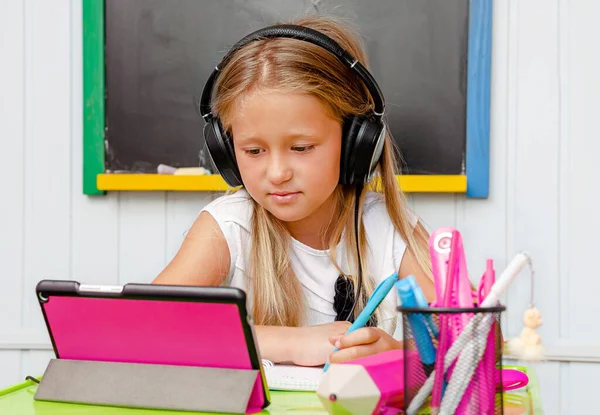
376,298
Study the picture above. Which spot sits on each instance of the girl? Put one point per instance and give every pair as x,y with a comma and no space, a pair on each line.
293,115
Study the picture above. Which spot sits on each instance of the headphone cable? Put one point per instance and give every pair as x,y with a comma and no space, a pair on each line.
359,279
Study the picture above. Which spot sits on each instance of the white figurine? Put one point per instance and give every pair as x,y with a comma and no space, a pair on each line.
528,346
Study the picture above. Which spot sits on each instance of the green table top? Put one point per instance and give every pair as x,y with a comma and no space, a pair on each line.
18,400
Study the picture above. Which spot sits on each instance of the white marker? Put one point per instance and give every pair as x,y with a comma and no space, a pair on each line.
508,275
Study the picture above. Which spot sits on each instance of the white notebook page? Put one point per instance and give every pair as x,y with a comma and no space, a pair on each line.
290,377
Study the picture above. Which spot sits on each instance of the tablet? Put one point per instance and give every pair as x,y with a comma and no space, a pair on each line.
158,324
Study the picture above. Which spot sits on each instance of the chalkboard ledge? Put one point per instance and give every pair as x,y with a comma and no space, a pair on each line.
214,182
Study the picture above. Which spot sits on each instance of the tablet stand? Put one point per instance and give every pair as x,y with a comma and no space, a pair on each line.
154,386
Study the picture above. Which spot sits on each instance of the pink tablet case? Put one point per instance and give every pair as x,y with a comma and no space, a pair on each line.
151,331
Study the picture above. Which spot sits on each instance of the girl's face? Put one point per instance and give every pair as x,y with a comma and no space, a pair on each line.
288,150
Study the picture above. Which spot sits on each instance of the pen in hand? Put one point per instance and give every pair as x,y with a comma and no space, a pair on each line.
377,297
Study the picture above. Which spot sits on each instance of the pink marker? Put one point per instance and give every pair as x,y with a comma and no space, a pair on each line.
453,290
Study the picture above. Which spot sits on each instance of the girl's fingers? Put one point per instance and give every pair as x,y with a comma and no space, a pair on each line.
362,336
352,353
334,339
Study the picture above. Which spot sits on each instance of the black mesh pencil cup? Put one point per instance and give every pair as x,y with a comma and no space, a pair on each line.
452,360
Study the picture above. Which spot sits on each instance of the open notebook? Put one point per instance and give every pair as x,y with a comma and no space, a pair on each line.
290,377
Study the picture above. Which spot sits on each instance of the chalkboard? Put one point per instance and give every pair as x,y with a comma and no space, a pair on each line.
158,54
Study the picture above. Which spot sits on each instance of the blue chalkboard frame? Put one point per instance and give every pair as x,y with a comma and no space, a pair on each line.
478,98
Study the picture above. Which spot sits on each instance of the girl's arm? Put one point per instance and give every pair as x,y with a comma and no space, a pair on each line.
304,346
275,343
202,259
409,265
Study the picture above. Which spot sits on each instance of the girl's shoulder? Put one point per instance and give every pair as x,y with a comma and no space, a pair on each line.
375,211
235,207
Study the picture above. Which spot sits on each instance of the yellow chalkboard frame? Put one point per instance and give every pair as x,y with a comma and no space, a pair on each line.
214,182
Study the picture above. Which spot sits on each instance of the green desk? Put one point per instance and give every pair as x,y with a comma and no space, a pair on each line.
18,400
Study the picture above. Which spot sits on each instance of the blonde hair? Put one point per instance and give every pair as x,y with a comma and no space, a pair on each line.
294,65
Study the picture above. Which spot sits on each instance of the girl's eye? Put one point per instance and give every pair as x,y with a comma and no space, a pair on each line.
254,151
302,149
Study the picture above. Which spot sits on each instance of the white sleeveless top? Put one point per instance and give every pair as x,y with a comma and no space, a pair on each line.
313,268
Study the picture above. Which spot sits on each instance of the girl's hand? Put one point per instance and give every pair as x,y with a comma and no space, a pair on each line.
362,342
311,345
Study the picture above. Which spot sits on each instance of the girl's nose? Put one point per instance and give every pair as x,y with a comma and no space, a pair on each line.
279,170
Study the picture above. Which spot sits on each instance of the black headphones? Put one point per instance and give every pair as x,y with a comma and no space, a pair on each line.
362,136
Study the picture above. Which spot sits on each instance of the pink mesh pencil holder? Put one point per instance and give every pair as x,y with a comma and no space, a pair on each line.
459,360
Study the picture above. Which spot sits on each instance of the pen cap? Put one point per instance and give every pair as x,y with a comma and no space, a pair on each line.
487,281
405,291
411,295
506,278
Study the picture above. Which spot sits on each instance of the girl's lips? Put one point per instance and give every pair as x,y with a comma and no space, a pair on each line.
284,197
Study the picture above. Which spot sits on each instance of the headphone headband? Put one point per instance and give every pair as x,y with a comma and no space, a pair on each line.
308,35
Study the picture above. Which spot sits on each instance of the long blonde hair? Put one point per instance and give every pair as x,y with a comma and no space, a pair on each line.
294,65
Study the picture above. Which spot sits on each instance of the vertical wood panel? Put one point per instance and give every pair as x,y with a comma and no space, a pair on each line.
48,158
536,159
564,188
581,194
435,210
12,135
182,210
10,367
142,236
549,378
35,362
512,65
565,389
94,247
582,388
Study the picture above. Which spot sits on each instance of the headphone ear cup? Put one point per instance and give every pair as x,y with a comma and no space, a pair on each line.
350,131
362,144
220,150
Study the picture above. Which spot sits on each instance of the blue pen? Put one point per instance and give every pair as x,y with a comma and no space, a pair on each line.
421,302
418,324
377,297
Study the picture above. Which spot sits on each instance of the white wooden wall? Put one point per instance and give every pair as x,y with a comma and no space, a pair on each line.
544,185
